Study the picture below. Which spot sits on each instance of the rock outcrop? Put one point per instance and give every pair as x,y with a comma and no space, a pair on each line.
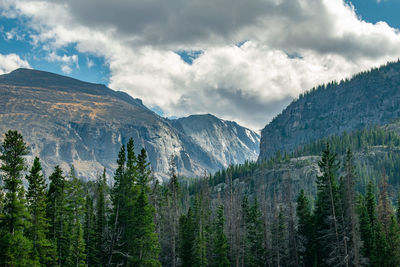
67,121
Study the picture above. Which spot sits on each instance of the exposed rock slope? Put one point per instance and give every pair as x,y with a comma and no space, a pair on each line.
66,121
227,141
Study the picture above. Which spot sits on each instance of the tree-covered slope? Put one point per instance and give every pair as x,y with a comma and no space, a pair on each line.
369,98
376,150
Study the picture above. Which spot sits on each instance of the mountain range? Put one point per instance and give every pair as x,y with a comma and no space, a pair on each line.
70,122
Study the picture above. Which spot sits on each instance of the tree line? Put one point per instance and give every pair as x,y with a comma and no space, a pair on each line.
138,221
69,223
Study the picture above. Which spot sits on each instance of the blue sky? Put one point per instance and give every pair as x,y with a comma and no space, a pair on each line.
89,67
98,70
374,11
242,62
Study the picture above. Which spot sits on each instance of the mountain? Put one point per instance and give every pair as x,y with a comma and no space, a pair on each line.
66,121
376,150
227,141
369,98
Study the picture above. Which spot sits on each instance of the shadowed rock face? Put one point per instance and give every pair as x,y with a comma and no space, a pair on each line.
371,98
66,121
227,141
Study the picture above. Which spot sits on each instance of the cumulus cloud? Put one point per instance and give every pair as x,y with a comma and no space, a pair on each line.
286,47
11,62
66,61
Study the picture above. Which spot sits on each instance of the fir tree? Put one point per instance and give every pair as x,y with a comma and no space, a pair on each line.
279,239
186,238
200,235
118,221
351,231
221,248
375,246
327,212
101,219
172,205
15,246
144,246
42,249
75,208
304,230
89,232
55,213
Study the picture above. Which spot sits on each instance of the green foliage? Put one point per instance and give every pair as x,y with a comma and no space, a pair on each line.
56,215
201,230
186,238
279,230
89,233
148,223
100,220
327,212
15,217
220,241
42,249
75,207
144,245
305,228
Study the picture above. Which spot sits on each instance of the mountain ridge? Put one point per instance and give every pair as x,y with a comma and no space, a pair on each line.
67,121
369,98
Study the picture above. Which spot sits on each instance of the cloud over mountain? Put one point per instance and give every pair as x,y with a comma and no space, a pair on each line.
256,55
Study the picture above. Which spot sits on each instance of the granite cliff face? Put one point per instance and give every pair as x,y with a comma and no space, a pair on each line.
370,98
66,121
227,141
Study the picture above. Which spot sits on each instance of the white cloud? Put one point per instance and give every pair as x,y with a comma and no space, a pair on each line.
11,62
66,61
66,69
249,84
89,62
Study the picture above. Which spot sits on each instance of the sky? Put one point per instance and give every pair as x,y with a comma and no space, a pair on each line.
239,60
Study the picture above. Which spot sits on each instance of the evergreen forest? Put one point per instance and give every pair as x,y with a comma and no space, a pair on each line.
132,219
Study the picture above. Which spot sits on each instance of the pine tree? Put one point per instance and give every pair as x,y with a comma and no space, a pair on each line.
327,212
390,227
42,249
221,248
393,239
117,221
375,246
350,222
384,208
279,239
398,207
199,253
170,216
55,213
101,220
144,246
304,230
89,232
186,238
15,247
75,212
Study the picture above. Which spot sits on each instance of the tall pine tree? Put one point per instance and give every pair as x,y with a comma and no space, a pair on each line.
101,220
55,213
144,247
15,247
221,248
351,229
327,213
42,250
305,229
